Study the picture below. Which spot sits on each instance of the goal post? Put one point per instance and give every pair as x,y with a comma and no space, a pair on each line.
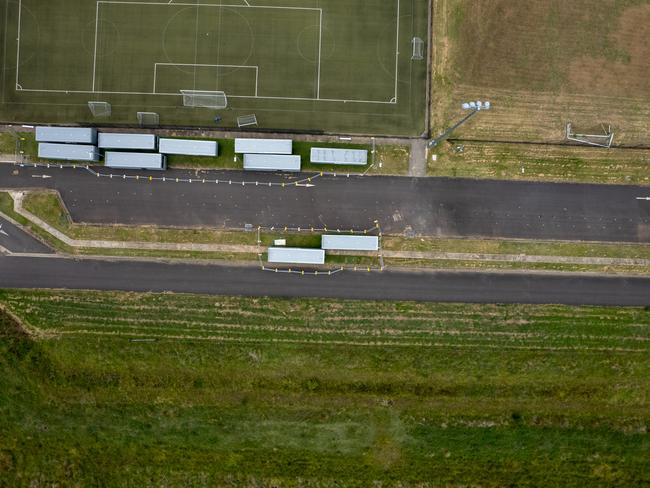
204,99
148,119
246,120
418,49
100,109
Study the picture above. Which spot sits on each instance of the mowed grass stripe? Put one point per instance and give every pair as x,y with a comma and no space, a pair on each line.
247,338
387,325
327,310
509,325
474,336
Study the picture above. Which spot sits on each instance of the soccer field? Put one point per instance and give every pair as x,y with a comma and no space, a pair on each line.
316,65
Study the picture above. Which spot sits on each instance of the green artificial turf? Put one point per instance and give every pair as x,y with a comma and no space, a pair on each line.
318,65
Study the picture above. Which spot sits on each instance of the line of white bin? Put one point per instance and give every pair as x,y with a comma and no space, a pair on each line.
329,242
84,144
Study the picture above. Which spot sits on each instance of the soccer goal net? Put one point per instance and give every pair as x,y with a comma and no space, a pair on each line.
206,99
418,49
246,120
100,109
148,119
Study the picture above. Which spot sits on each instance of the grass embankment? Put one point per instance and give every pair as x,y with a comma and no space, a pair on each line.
517,247
543,163
268,391
7,207
504,246
24,143
487,265
7,144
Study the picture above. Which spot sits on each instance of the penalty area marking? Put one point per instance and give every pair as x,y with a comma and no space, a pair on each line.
20,11
197,5
155,73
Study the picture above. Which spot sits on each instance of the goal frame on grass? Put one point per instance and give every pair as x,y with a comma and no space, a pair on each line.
418,49
148,119
246,120
99,109
204,99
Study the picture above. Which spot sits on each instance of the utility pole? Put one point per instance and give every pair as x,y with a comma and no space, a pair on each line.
474,108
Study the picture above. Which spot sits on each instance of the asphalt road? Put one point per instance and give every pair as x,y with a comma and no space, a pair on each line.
15,239
426,206
31,272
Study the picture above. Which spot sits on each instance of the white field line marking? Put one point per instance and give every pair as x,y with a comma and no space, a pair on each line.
4,51
397,52
247,4
320,48
208,5
306,99
155,72
196,43
95,54
196,40
108,92
20,11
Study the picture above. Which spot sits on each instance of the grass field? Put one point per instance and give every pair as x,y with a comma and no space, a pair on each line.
297,64
542,163
543,64
264,392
